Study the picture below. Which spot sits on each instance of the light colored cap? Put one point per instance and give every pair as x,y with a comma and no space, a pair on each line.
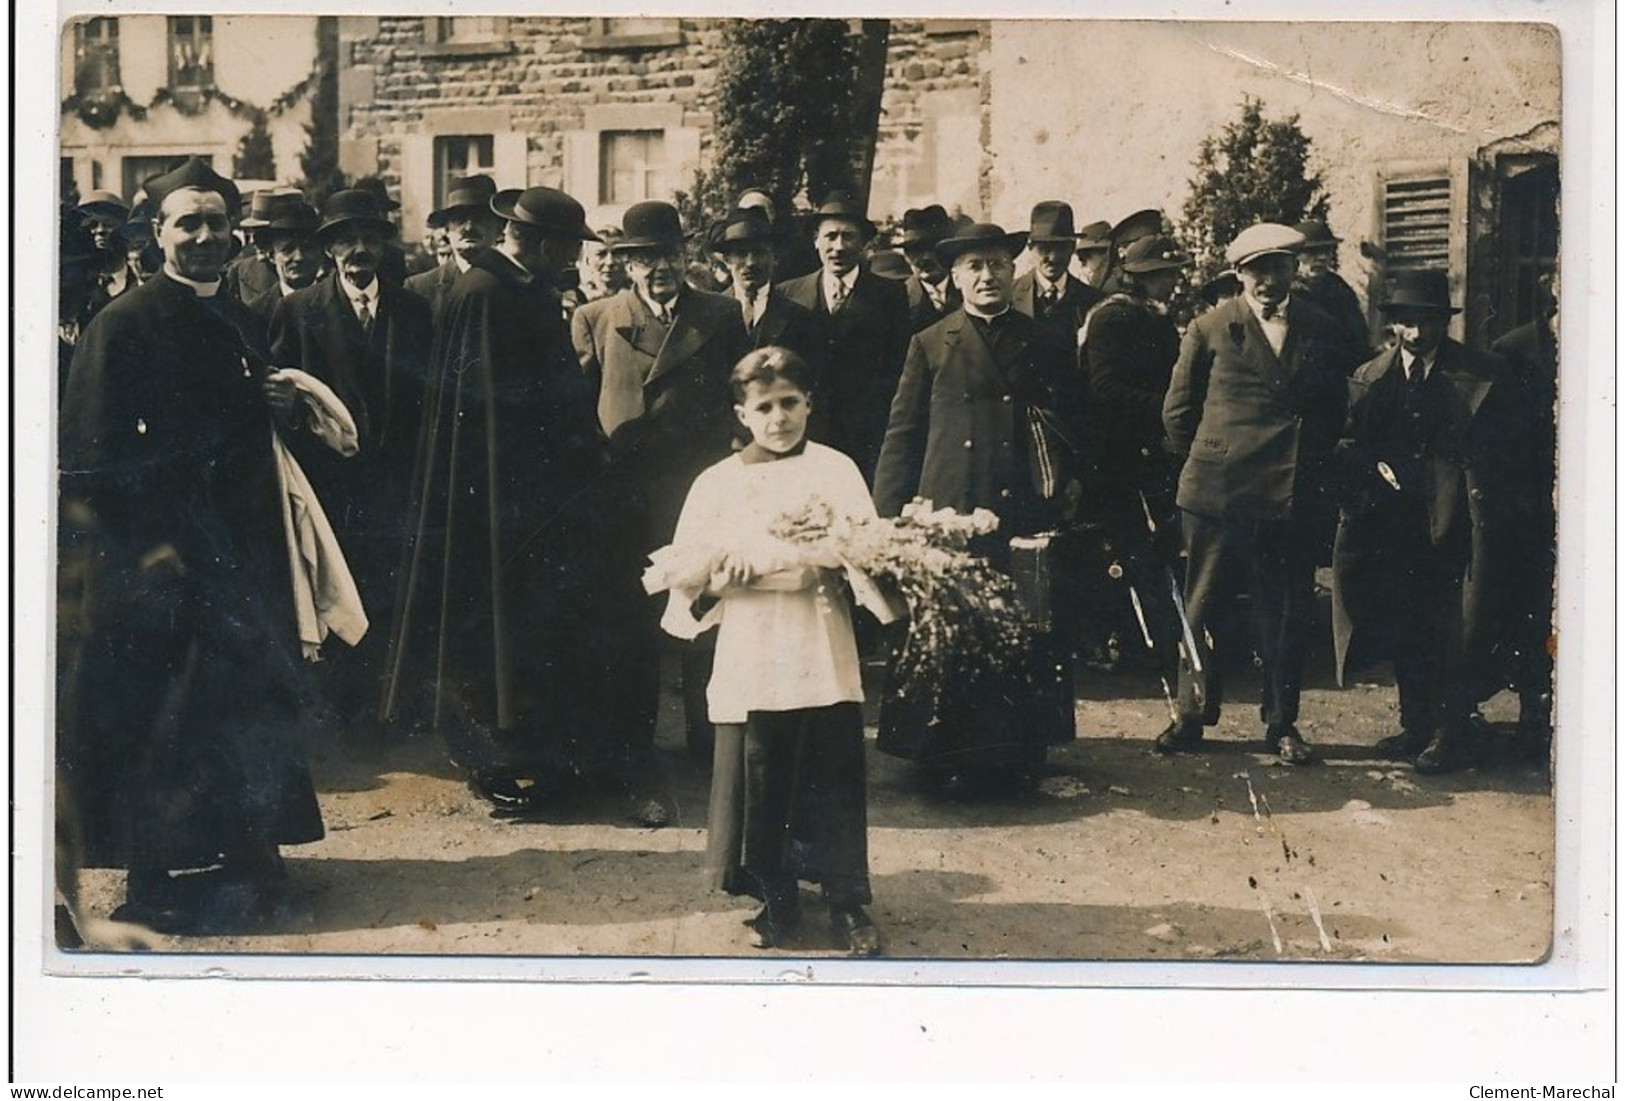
1261,240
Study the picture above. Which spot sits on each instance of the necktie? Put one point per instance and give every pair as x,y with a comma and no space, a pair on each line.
837,296
364,315
1052,298
1271,311
748,306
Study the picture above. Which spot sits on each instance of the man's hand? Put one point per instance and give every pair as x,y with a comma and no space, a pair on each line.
281,392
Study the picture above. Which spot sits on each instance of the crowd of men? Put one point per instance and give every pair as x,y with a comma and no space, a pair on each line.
301,486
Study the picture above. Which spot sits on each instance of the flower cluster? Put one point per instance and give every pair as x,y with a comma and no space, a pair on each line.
964,620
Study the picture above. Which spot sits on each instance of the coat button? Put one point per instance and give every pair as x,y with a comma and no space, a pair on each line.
969,444
1005,493
1007,399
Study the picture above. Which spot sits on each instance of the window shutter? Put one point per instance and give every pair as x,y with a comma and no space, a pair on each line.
1416,219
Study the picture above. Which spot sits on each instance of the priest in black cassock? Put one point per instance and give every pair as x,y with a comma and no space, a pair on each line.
179,735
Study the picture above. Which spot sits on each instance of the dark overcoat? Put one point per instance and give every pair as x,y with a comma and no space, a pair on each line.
1128,358
1067,315
791,325
495,581
864,345
662,394
381,379
1331,292
960,435
1256,429
922,312
433,285
1463,480
181,716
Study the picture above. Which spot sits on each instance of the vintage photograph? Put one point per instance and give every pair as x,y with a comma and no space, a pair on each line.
782,489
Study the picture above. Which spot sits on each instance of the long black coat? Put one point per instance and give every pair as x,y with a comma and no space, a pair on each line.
495,578
434,285
1067,316
1128,360
1331,293
381,379
791,325
182,713
1464,480
1256,430
864,345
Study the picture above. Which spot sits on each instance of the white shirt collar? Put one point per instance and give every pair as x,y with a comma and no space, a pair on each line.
462,265
1044,286
669,310
355,294
1258,309
849,280
1408,361
202,290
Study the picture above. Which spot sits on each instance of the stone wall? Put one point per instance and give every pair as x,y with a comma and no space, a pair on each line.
933,121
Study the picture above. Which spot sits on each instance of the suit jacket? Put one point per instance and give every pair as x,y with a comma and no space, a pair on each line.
1256,429
249,275
661,392
1455,503
1067,316
264,304
864,345
433,285
960,432
1127,363
922,312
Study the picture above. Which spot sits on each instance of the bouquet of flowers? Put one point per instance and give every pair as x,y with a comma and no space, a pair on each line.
964,618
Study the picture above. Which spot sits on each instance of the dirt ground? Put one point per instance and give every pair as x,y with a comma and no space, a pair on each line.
1120,855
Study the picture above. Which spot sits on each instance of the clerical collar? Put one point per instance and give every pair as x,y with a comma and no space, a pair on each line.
988,317
202,290
753,452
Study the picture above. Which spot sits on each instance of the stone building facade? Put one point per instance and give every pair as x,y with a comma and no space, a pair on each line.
615,110
139,91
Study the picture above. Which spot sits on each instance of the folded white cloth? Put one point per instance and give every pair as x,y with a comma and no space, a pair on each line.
325,598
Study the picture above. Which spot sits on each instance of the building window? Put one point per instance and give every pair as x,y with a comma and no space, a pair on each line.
138,170
1416,223
631,166
461,155
95,57
633,33
191,52
441,30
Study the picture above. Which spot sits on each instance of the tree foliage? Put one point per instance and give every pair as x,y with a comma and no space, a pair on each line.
319,163
784,114
1254,170
255,158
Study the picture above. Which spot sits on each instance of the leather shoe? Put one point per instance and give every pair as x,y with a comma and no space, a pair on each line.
855,932
1439,755
1179,738
1402,746
502,792
771,926
1286,743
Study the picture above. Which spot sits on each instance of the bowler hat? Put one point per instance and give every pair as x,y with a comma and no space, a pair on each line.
352,207
1262,239
1425,290
104,205
1142,223
547,208
464,192
651,224
925,226
192,172
890,264
1052,223
981,235
841,204
1153,254
1316,234
1095,236
376,187
743,226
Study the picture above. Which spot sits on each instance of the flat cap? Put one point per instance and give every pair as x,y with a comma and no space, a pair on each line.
1261,240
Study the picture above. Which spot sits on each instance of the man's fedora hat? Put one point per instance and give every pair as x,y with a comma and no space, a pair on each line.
1316,234
1142,223
547,208
650,225
1153,254
743,226
352,207
1095,236
293,217
104,206
841,204
380,190
981,235
192,172
465,192
264,203
1262,239
1420,291
890,264
76,245
925,227
1052,223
